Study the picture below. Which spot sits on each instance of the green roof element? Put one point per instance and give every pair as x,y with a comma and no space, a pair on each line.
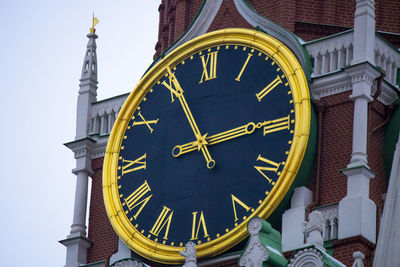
392,130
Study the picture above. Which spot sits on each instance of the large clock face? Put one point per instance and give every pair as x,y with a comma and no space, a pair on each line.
212,136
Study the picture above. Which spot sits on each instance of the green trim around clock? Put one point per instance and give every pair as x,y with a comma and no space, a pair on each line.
213,135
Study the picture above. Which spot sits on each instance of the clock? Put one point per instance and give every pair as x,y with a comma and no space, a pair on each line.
213,135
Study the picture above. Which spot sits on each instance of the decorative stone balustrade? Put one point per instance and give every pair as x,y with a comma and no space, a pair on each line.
103,115
333,53
388,59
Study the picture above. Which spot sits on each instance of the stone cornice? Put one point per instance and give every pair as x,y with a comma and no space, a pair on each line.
339,82
77,240
333,83
90,148
81,147
356,168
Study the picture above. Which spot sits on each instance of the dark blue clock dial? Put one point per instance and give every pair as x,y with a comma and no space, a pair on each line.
206,145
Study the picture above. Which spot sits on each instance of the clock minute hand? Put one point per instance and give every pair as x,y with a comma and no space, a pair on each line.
248,128
200,142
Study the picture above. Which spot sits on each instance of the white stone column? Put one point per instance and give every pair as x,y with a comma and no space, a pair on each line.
293,219
77,243
78,226
362,77
357,212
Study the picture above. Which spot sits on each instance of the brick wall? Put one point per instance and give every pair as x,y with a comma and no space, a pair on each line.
345,248
101,233
228,17
308,19
337,128
378,185
175,18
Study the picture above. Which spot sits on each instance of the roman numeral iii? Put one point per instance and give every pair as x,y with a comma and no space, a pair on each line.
134,165
196,227
277,125
209,66
163,220
138,198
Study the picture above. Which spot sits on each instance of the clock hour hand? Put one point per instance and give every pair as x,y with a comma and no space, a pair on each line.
200,143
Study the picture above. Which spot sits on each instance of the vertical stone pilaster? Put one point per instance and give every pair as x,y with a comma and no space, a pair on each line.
357,212
364,32
362,77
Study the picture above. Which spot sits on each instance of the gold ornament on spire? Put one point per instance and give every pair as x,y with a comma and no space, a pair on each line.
94,23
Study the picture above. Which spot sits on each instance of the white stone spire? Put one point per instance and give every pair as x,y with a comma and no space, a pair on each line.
77,242
87,87
89,68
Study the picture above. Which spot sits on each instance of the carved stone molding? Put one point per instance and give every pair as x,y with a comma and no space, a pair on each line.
313,229
128,263
310,257
358,259
190,255
255,253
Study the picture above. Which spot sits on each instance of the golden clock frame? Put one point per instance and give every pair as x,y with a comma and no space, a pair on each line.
302,108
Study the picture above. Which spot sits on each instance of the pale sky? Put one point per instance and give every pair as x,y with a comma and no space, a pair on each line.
42,47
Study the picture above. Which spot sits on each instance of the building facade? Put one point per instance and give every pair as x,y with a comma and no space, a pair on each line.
349,51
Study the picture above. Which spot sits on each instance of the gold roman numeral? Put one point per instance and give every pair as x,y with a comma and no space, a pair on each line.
269,88
172,85
277,125
273,166
164,219
136,198
202,222
134,165
244,66
144,121
209,66
236,200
